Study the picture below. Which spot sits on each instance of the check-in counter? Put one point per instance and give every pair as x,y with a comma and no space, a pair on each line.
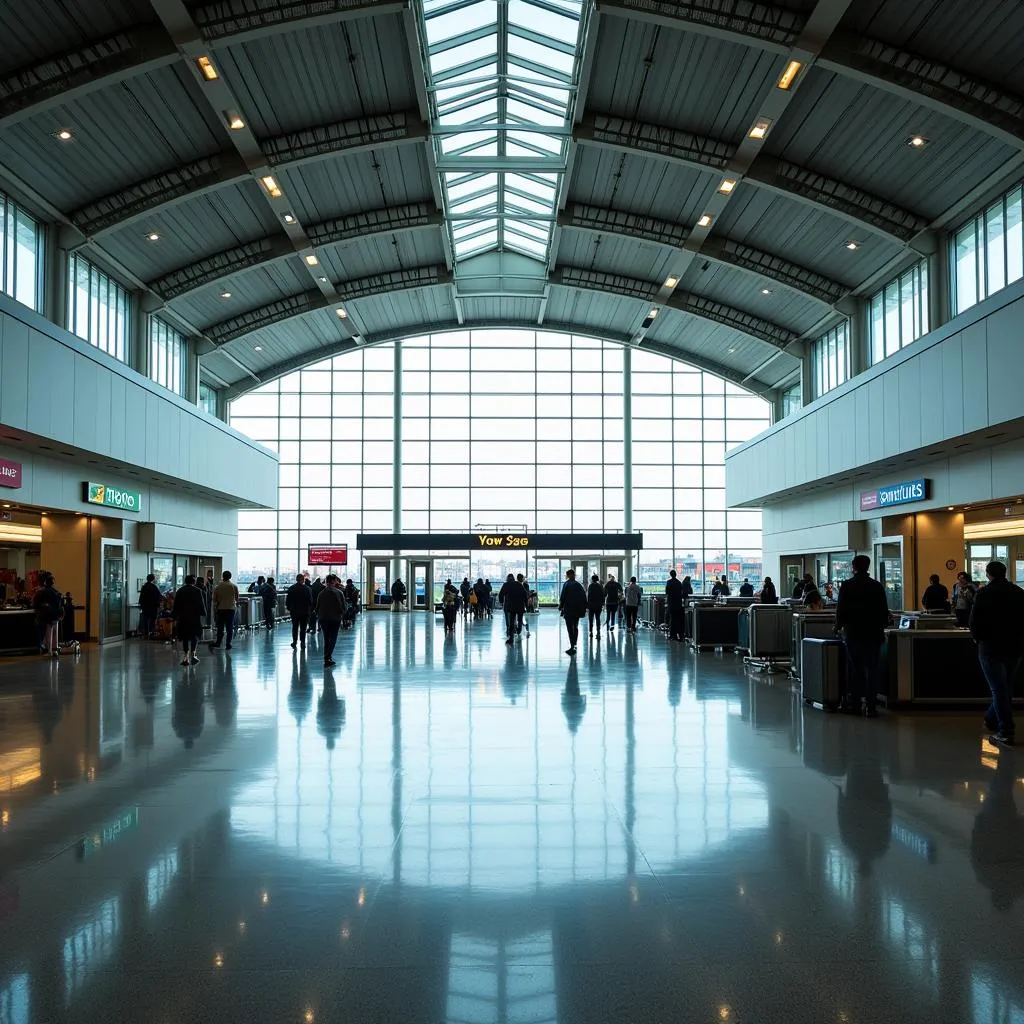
18,631
933,667
712,625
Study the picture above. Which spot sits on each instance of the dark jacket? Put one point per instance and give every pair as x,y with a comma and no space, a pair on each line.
464,589
595,596
316,590
269,595
798,590
188,611
997,616
512,596
298,600
613,592
862,611
572,602
936,598
674,592
330,605
687,590
769,594
398,591
48,603
150,597
746,590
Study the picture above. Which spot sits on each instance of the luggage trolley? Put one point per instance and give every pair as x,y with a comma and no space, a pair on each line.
768,644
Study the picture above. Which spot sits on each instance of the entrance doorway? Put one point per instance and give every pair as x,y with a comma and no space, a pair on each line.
420,584
112,610
613,566
378,583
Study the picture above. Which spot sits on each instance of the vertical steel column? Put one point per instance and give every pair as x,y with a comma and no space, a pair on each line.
940,306
627,451
55,277
396,480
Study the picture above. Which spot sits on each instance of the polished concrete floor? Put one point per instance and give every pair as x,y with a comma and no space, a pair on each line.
454,831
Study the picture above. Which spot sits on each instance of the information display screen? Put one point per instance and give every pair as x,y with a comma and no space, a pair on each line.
327,554
517,541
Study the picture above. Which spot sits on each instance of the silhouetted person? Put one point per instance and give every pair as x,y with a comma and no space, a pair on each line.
189,609
746,588
936,595
572,606
674,595
862,614
299,602
150,600
595,602
269,596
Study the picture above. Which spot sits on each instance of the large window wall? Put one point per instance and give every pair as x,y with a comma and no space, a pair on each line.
899,312
988,252
503,427
21,253
168,355
830,364
97,308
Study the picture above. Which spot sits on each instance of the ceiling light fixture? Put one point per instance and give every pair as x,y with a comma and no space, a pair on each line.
289,218
852,245
671,282
705,221
257,348
653,313
311,259
766,291
234,119
322,280
64,135
728,184
759,129
225,295
340,313
917,141
788,77
153,236
269,182
206,69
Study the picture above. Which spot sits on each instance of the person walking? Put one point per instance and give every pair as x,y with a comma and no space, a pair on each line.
936,596
512,599
996,618
521,622
48,605
612,598
480,593
269,595
449,606
674,597
465,589
572,606
964,592
398,595
188,619
150,600
488,599
330,610
595,602
632,596
315,590
205,591
298,602
862,614
225,602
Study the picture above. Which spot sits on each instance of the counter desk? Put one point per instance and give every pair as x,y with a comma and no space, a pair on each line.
18,631
934,668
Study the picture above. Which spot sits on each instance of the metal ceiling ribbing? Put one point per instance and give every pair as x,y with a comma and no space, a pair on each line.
484,161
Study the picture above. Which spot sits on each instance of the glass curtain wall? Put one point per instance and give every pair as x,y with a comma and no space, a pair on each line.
167,355
97,308
899,312
502,427
207,398
829,360
988,251
21,254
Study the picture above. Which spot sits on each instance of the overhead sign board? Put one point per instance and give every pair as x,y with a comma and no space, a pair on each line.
515,541
112,497
327,554
10,473
904,493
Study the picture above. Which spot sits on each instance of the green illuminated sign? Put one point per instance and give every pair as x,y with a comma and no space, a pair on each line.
113,497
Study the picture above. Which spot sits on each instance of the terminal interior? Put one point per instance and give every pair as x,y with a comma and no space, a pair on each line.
428,290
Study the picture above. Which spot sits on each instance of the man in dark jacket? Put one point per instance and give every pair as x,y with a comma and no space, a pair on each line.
398,594
862,614
595,602
464,589
746,588
612,597
330,610
269,595
298,601
512,599
997,622
189,609
572,606
314,592
150,600
674,601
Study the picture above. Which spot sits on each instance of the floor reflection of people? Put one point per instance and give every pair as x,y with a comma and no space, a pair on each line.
46,707
188,711
865,810
513,674
300,695
225,694
330,711
675,676
574,703
997,839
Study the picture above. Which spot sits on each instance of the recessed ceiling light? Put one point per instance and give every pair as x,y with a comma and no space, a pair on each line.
705,221
766,291
257,348
64,135
322,280
153,236
234,119
340,313
730,350
289,218
671,282
917,142
653,313
949,509
728,184
206,69
759,129
788,77
852,245
311,259
269,182
225,295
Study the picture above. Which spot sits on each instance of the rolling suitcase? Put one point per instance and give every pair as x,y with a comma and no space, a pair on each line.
823,676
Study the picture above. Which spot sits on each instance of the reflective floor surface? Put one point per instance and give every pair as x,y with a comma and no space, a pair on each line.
455,831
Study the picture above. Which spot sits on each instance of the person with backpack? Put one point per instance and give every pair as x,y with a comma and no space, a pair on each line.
612,597
49,608
449,606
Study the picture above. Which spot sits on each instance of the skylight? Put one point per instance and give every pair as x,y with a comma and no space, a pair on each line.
502,76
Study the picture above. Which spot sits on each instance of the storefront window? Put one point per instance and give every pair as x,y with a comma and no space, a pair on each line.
162,567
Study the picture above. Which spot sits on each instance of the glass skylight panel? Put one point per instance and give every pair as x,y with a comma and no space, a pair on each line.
465,53
461,20
545,21
542,56
459,186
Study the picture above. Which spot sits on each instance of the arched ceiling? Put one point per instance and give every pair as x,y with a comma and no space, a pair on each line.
361,170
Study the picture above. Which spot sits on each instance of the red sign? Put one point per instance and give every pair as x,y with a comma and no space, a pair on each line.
336,554
10,473
868,500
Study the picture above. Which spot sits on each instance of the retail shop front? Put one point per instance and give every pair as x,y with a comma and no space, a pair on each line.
423,561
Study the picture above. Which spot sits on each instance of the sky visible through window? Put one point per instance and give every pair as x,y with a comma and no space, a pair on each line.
502,77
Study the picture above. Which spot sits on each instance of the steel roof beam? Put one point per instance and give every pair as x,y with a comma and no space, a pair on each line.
981,105
308,302
644,291
722,250
207,174
799,183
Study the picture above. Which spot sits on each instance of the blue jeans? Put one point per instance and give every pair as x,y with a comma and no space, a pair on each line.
1000,668
863,676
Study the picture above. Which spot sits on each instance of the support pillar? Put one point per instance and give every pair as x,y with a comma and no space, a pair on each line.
396,480
627,451
138,339
939,303
191,372
55,278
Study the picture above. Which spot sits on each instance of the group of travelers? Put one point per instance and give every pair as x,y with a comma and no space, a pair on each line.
477,598
575,603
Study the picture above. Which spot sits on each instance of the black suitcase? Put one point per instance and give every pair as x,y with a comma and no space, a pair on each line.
823,675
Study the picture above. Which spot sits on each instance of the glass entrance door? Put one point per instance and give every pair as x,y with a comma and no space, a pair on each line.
612,566
378,583
889,567
112,611
420,584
